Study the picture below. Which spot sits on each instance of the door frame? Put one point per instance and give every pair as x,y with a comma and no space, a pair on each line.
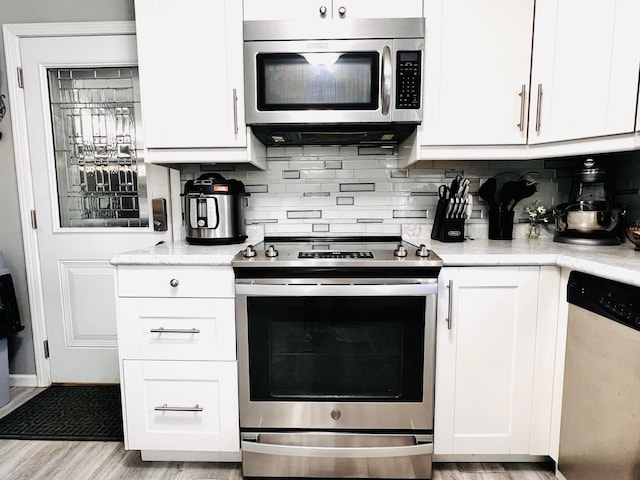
12,33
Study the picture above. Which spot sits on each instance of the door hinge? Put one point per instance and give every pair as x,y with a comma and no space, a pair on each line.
20,78
34,220
46,349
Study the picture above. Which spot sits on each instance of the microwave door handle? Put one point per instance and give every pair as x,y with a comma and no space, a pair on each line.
386,80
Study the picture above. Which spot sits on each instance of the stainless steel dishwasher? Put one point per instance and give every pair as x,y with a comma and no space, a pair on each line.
600,423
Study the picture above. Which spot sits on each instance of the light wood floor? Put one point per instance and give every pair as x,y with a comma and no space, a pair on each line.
48,460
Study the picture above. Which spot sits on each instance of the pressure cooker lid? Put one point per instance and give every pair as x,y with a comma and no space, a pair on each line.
214,183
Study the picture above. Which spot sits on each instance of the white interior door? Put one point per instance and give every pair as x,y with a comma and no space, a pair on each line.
92,191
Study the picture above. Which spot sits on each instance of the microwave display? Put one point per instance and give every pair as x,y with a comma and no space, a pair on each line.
303,81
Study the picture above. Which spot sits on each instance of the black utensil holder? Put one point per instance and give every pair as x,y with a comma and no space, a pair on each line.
447,229
500,225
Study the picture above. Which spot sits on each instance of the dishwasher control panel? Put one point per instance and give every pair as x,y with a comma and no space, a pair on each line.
614,300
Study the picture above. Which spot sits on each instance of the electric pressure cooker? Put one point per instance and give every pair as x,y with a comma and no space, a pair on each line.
214,210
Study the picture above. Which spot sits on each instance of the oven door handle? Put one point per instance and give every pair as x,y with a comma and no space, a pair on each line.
338,290
336,452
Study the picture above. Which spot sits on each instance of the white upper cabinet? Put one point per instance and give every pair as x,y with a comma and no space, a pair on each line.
191,80
477,67
328,9
584,77
506,80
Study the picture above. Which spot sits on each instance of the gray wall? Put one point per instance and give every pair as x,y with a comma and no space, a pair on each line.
21,357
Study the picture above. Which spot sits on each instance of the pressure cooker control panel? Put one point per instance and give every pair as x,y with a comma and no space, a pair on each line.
203,213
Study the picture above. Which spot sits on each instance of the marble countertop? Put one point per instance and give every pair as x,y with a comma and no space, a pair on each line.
620,262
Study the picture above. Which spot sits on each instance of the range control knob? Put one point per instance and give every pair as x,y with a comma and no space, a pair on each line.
422,251
271,252
400,251
249,252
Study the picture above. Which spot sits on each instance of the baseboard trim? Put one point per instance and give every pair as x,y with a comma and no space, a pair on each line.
491,458
21,380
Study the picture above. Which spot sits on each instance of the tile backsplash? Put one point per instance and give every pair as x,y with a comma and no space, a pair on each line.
350,190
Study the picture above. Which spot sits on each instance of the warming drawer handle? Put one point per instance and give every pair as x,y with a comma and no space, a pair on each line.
165,408
336,452
174,330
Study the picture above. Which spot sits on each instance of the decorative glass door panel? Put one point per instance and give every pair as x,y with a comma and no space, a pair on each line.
100,175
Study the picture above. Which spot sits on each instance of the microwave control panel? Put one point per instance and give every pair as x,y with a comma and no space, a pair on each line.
408,79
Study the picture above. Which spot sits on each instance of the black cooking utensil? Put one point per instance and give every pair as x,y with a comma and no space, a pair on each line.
523,190
507,193
487,192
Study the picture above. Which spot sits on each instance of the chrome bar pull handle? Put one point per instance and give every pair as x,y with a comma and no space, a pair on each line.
235,111
386,79
450,311
165,408
174,330
523,106
539,109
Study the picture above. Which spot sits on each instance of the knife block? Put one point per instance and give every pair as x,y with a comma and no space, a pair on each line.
446,229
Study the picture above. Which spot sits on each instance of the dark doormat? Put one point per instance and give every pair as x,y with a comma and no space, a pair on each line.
74,412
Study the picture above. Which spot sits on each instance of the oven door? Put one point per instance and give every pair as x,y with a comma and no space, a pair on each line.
339,354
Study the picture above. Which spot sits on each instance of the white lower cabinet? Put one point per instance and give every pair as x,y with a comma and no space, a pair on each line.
495,358
178,364
179,405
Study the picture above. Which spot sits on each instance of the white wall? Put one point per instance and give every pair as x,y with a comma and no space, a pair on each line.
21,357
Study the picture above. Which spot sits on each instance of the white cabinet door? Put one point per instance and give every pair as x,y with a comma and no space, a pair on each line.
190,61
377,9
181,406
286,9
485,360
584,77
337,9
477,66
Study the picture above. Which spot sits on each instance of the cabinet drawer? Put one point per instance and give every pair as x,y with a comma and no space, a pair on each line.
177,328
175,281
181,406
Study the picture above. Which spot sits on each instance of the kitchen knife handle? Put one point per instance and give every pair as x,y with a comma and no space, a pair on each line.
539,109
450,311
386,79
523,106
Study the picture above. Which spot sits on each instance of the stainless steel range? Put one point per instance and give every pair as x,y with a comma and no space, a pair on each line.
336,351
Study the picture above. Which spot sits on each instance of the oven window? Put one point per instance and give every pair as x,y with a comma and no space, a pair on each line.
323,348
317,81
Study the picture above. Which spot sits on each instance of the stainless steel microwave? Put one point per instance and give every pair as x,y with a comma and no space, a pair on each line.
358,72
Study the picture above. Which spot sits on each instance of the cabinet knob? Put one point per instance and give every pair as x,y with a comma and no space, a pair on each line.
174,282
323,11
342,11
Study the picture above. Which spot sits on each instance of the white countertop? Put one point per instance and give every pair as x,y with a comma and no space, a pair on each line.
620,262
